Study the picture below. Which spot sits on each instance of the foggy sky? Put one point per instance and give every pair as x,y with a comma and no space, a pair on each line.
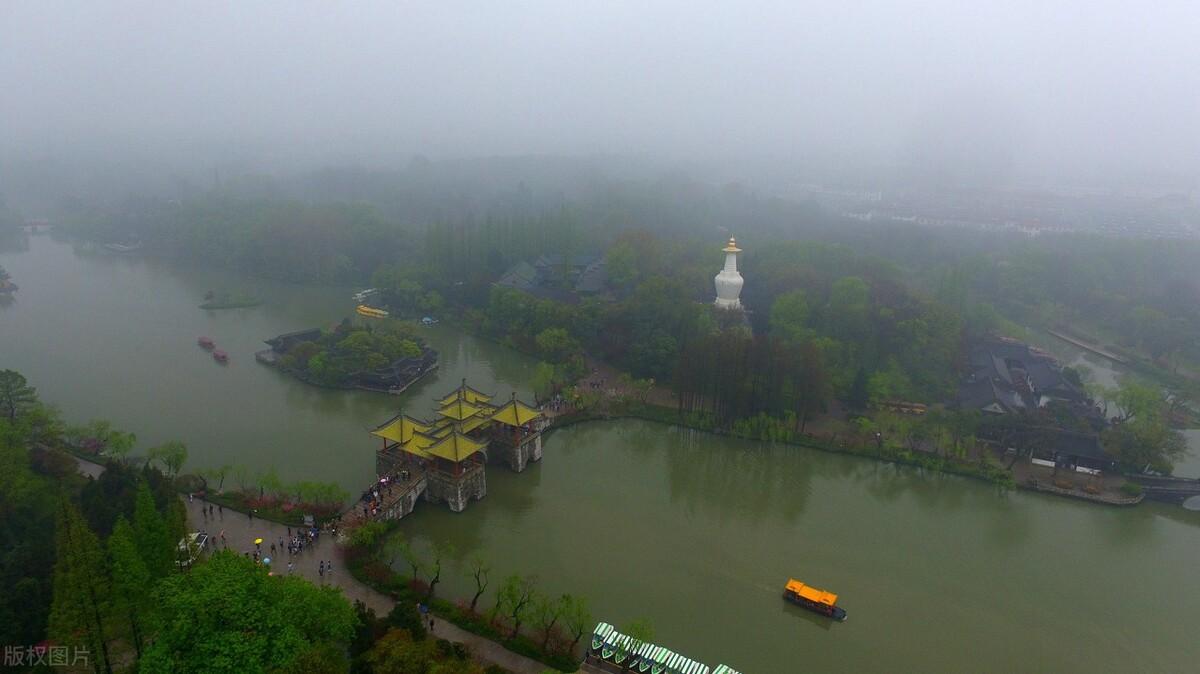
1062,91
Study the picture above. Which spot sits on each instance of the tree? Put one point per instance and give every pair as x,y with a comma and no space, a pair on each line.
547,611
859,396
578,619
440,550
268,481
789,317
1139,400
640,633
514,596
544,380
398,652
404,615
1145,443
228,615
479,571
219,474
16,395
152,535
80,587
171,455
28,508
555,344
410,556
130,581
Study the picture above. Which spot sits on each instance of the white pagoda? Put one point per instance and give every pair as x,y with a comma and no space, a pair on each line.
729,280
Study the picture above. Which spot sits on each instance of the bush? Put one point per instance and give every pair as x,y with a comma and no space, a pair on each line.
406,616
1131,489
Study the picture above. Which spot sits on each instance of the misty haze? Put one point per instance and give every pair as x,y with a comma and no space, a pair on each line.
604,337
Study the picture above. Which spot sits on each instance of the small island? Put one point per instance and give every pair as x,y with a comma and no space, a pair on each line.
386,356
228,300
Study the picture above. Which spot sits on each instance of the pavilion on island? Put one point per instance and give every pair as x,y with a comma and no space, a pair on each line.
451,450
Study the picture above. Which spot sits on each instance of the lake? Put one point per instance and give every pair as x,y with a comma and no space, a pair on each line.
695,532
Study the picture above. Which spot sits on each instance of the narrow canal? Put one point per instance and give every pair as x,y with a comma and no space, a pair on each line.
695,532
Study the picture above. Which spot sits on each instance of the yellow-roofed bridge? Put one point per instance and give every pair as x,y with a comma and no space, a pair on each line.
444,459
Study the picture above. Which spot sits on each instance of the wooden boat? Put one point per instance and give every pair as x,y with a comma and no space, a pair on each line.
600,634
220,356
206,343
818,601
371,312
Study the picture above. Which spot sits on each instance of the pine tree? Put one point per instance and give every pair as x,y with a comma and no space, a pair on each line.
152,535
130,581
80,587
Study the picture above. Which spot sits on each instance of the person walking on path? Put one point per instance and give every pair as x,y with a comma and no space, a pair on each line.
321,569
291,567
221,510
329,569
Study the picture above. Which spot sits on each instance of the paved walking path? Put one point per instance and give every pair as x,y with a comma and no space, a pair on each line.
240,532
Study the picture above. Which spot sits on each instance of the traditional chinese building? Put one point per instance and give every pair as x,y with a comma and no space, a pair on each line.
450,451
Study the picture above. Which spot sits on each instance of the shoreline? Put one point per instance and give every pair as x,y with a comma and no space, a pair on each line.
935,463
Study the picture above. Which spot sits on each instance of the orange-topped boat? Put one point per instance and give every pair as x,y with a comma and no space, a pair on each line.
815,600
206,343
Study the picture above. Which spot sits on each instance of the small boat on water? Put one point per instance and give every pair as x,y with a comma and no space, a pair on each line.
124,247
610,645
364,295
371,312
659,660
206,343
600,634
220,356
645,656
818,601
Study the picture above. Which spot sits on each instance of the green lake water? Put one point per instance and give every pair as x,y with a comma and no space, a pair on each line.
696,533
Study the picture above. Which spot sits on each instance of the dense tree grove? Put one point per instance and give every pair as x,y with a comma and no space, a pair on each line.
349,349
93,563
887,307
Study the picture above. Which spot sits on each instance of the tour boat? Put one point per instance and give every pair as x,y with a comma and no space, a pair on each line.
371,312
600,634
206,343
725,669
220,356
363,295
818,601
